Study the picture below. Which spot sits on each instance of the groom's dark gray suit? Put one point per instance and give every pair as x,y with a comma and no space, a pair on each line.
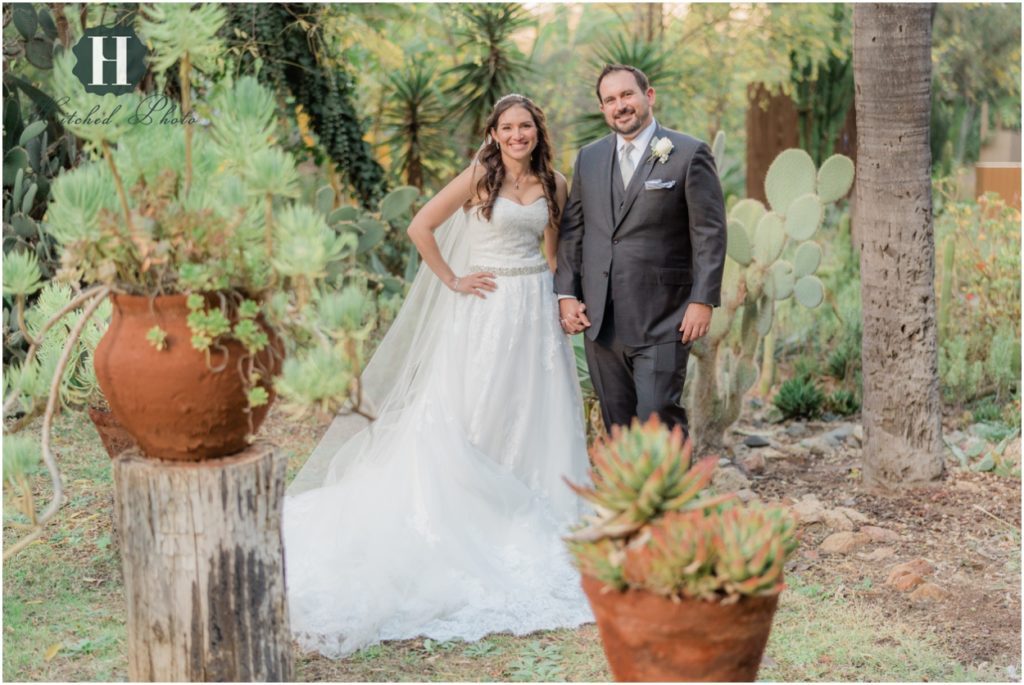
637,256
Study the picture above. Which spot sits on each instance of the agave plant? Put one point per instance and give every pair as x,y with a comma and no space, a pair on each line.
496,65
416,116
658,528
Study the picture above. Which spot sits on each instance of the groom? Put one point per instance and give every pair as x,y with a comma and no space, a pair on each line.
641,253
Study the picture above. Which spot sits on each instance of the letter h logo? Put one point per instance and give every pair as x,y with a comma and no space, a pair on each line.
120,61
109,59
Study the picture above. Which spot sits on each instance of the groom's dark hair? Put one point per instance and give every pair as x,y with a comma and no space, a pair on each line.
641,77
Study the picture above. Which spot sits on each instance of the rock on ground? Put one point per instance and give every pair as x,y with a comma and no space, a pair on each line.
729,479
878,554
906,581
809,509
919,566
843,542
929,592
880,534
754,463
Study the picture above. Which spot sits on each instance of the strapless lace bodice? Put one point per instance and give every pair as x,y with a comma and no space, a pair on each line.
511,239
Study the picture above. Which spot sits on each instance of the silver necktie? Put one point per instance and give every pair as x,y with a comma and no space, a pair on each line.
626,165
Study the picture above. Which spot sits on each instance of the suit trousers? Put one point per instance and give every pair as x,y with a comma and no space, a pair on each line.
637,381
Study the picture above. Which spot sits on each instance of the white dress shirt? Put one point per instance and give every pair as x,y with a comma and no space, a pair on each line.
641,145
641,152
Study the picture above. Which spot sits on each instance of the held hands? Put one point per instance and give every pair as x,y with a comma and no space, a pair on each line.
474,284
571,316
696,321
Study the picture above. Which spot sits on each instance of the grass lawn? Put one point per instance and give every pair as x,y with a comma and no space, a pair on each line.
63,610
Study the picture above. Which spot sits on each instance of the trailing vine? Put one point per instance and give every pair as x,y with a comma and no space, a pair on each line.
288,41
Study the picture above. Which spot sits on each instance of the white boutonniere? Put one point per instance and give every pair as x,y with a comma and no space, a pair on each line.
661,148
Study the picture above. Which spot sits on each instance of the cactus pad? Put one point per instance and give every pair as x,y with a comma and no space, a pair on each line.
718,151
719,324
755,276
738,245
731,276
769,239
783,279
809,291
749,212
835,178
791,175
746,376
804,217
765,315
806,259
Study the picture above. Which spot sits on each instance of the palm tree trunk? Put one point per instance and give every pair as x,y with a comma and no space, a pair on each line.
902,409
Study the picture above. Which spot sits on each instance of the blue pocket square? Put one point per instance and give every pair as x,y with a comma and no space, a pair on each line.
658,184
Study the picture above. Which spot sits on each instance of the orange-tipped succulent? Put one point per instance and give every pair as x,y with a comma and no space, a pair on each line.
637,475
657,527
752,544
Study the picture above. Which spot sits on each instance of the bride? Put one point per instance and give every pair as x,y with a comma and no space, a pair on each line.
443,518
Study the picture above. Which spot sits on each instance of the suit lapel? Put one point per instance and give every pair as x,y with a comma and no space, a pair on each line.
606,175
637,182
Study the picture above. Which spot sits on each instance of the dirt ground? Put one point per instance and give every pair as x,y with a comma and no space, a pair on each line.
967,527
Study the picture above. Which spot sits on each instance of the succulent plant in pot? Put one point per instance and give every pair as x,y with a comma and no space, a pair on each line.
683,583
187,218
47,326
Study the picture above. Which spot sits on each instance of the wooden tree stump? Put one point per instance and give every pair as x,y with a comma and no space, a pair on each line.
203,567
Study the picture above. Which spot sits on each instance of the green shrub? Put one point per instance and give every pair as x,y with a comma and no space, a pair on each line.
978,287
961,377
800,397
844,360
806,366
993,421
987,411
842,402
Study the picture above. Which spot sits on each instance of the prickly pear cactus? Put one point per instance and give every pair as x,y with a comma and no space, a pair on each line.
771,257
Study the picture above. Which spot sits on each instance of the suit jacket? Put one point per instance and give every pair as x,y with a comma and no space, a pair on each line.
664,248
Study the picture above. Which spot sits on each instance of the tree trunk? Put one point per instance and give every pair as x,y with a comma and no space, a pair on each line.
846,144
902,410
204,567
771,128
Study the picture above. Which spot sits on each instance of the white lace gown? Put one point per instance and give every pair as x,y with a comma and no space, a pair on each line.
445,519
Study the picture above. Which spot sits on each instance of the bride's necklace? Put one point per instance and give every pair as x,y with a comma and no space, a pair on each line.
517,179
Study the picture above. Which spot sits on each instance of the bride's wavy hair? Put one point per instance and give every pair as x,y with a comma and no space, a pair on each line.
489,158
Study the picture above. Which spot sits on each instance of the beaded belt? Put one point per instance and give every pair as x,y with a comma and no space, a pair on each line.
510,270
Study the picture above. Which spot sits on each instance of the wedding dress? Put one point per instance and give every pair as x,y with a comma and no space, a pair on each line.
444,518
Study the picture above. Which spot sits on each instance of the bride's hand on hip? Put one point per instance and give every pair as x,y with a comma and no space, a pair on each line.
474,284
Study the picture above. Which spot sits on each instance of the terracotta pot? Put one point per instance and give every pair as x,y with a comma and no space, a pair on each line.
648,638
113,435
175,404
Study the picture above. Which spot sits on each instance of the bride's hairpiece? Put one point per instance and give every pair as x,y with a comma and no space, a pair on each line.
511,96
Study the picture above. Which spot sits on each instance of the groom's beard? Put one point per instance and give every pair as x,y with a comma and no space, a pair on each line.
640,120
